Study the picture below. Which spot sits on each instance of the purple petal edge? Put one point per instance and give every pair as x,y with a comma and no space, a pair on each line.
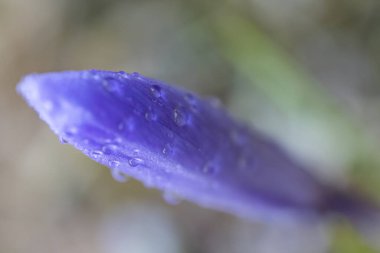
175,141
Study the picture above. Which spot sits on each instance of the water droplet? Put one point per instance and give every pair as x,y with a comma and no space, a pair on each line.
160,101
62,140
133,162
171,198
113,86
71,131
155,90
135,74
179,117
148,182
117,173
95,75
136,152
109,149
96,154
114,164
167,149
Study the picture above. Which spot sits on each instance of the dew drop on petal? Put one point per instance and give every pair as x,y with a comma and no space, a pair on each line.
179,117
167,149
160,101
62,140
72,131
117,173
133,162
109,149
136,152
135,74
114,164
148,183
96,154
155,90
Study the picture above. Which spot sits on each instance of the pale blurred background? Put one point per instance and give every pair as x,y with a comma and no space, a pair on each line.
305,72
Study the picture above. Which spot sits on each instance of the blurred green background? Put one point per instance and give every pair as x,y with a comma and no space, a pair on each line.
305,72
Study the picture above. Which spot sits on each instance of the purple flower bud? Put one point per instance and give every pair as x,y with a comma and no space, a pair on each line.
175,141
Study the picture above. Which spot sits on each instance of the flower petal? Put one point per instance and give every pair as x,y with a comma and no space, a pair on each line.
172,140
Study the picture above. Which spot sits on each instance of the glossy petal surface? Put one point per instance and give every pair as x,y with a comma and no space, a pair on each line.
172,140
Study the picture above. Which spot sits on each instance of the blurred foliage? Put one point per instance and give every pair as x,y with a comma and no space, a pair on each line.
347,240
286,84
